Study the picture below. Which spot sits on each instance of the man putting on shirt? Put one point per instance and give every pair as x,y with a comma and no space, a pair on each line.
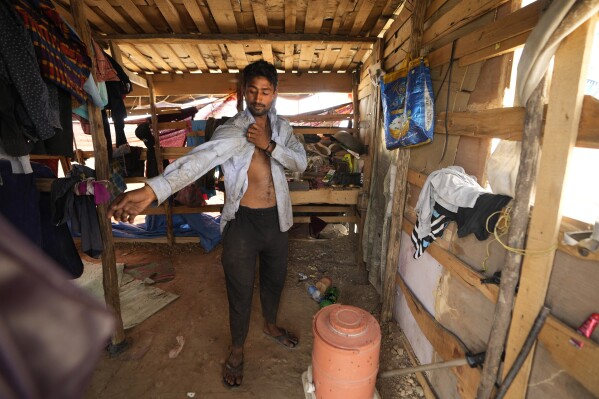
254,147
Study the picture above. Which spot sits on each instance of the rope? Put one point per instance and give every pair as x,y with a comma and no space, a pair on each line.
501,229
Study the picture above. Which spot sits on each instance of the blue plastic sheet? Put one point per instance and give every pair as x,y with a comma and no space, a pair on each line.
188,225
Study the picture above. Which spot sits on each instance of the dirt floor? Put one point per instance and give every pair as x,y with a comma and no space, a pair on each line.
200,316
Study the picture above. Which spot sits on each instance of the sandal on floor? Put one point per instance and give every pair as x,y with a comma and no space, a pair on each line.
236,372
285,336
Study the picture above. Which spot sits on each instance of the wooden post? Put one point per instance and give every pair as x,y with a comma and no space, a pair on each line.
561,129
369,166
401,177
355,101
110,280
170,236
533,125
240,92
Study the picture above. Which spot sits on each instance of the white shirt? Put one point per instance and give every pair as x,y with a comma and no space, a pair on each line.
451,188
230,148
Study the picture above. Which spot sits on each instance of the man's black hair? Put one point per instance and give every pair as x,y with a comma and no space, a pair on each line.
263,69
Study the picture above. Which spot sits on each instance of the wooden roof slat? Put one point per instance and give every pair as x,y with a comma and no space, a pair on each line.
156,57
339,16
342,57
217,55
388,12
289,49
131,9
197,57
290,16
196,15
306,56
113,14
348,60
267,53
238,53
360,54
96,13
223,14
361,16
326,59
137,57
350,16
175,58
170,14
260,16
314,14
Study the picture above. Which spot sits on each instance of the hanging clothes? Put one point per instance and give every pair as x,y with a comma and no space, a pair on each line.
29,211
61,55
449,194
20,74
79,210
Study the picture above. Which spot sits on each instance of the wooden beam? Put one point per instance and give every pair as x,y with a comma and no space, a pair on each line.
325,196
235,38
327,219
460,15
110,280
319,118
445,343
322,130
506,123
225,83
118,57
561,128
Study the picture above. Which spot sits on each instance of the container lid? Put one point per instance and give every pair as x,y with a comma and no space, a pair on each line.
346,327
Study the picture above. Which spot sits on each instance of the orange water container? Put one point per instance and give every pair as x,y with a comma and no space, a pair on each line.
345,358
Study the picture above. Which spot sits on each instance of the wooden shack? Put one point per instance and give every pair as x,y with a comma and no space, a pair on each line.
447,302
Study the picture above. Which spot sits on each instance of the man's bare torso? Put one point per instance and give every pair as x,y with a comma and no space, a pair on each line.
261,191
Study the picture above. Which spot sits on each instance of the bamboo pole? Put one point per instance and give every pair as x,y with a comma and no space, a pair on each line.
170,236
110,279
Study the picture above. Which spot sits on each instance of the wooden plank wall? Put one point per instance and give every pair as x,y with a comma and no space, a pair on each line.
484,35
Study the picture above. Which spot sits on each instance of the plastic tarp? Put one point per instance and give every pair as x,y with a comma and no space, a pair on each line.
190,225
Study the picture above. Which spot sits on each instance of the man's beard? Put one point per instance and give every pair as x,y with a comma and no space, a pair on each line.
262,110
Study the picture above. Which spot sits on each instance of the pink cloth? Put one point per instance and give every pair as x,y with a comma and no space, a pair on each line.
104,69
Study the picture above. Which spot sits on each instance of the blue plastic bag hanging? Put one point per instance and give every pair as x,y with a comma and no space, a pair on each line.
408,106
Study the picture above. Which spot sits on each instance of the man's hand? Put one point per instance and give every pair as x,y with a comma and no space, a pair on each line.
259,136
128,205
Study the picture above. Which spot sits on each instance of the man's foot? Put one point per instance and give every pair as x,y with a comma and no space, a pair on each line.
233,369
281,336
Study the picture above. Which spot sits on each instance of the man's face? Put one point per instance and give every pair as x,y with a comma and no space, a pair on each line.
259,95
